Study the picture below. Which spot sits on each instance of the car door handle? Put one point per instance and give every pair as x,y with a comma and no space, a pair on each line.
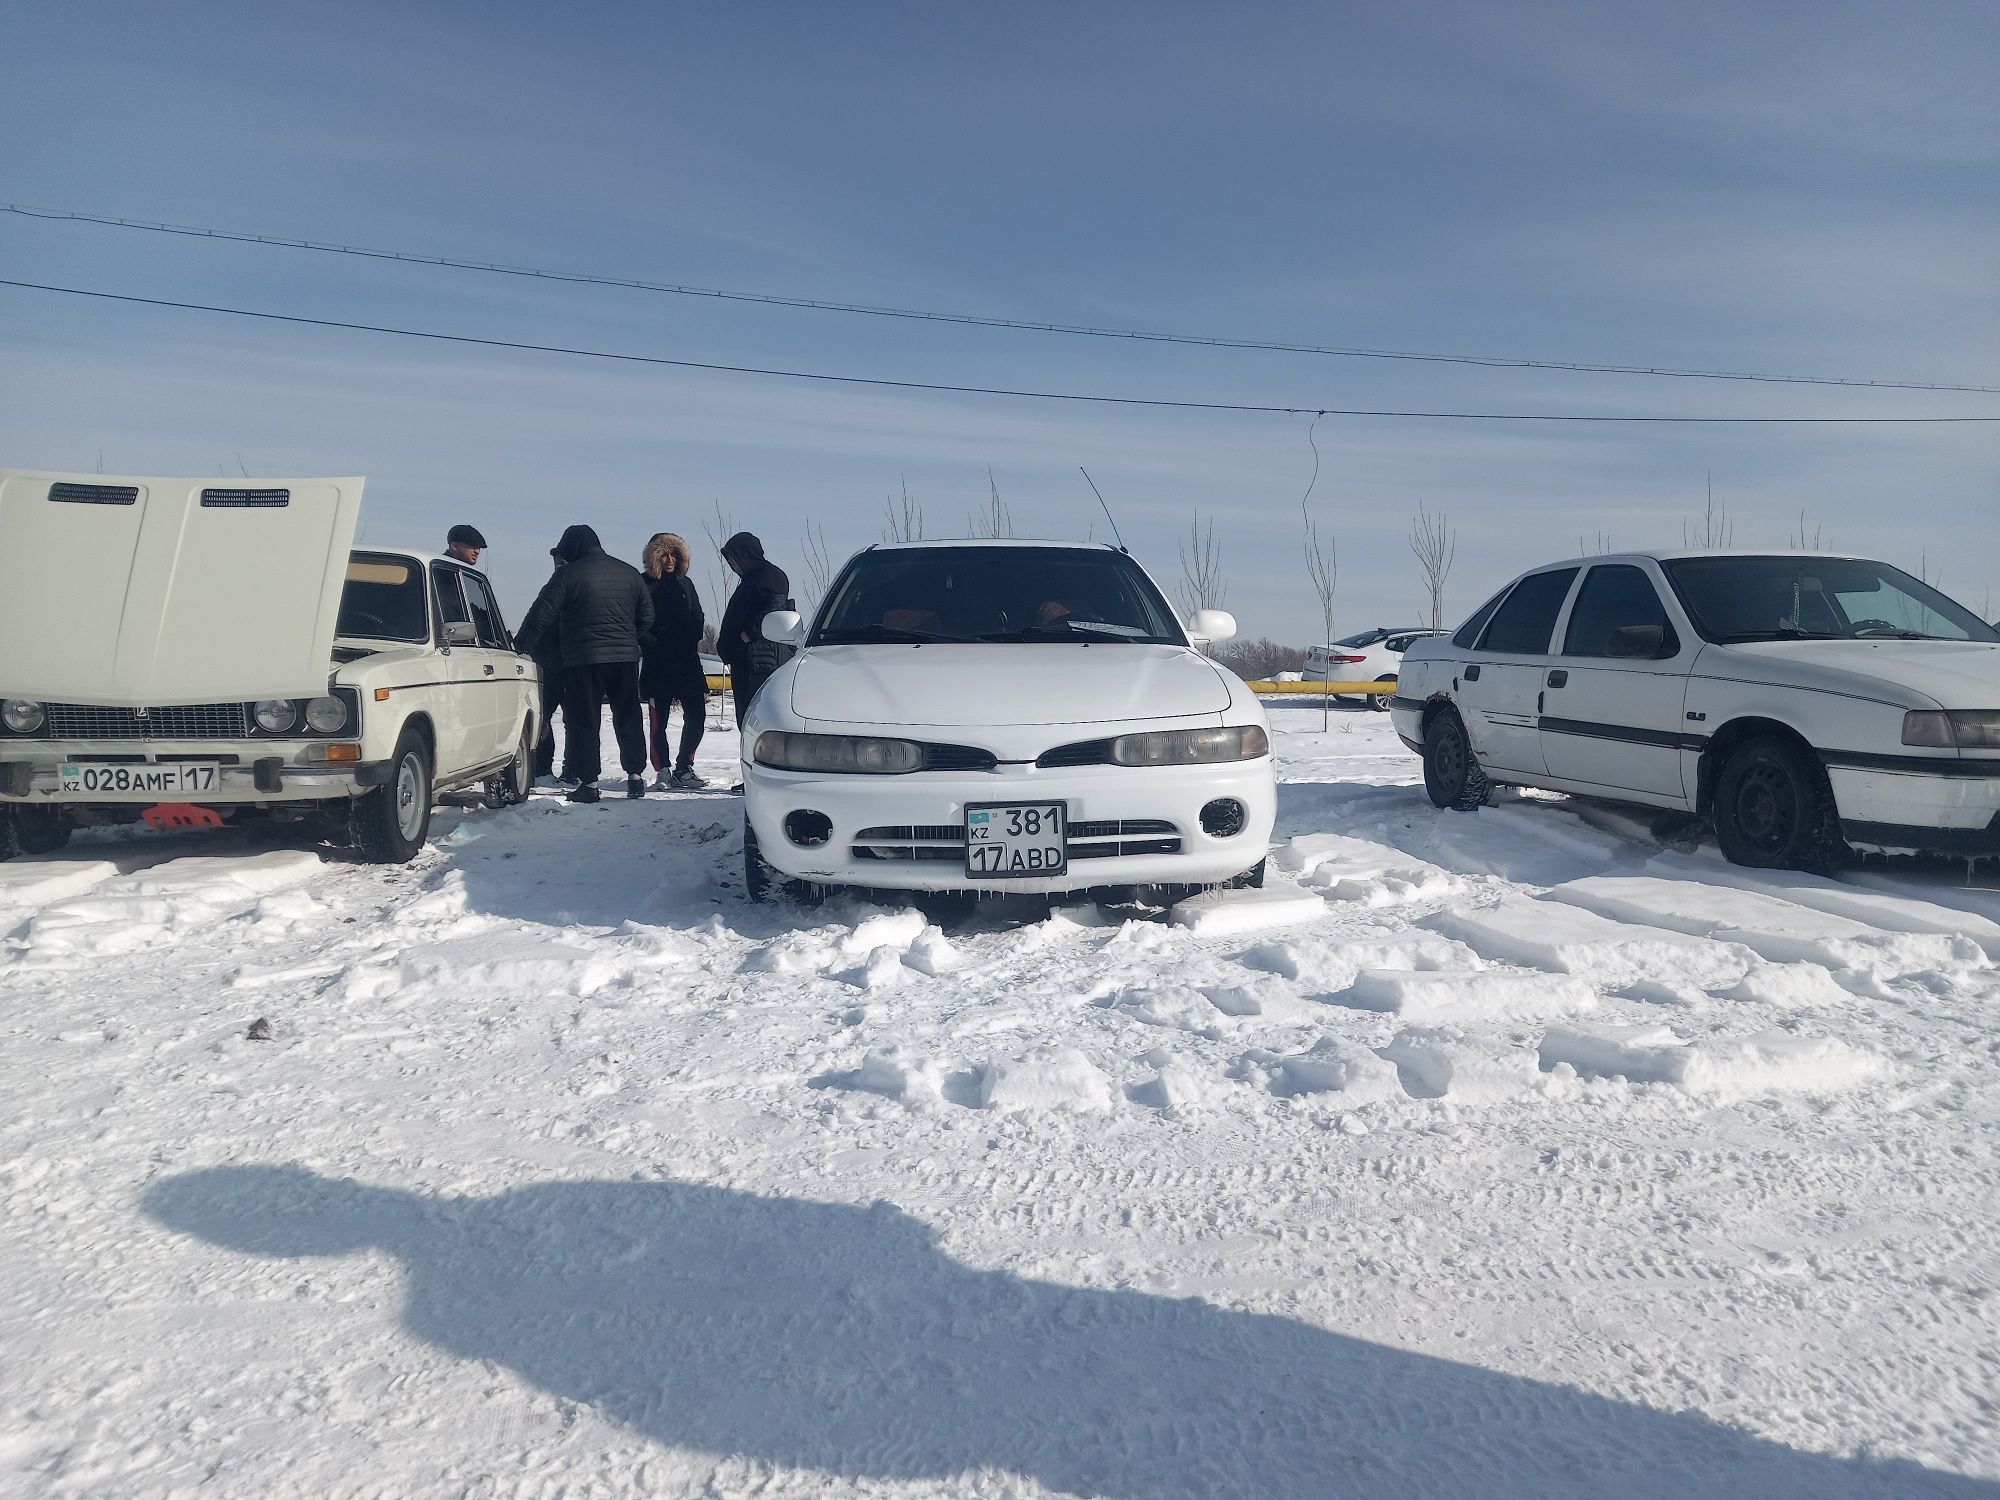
1472,673
1558,678
489,669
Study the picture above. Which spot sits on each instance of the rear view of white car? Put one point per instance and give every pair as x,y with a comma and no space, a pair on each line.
1003,716
1372,656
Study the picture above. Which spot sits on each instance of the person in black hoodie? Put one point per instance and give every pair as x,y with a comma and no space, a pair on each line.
761,587
603,612
670,672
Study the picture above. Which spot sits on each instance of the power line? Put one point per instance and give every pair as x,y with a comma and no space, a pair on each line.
971,390
772,299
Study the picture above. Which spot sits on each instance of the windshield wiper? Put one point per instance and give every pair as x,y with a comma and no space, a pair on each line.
1782,633
859,635
1082,629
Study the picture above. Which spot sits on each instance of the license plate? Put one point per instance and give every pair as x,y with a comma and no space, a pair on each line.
1016,840
85,778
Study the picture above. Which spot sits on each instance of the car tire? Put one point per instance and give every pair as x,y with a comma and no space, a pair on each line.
1380,701
1251,879
1452,775
40,830
1774,809
392,821
8,848
510,788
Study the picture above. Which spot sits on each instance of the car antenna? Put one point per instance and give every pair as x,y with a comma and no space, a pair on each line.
1107,509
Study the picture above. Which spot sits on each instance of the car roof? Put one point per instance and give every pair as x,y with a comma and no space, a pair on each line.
1681,554
989,541
415,554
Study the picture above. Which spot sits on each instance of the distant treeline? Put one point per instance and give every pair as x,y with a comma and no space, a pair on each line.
1261,658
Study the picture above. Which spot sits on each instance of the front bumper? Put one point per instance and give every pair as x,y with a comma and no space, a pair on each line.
1958,813
247,774
1128,826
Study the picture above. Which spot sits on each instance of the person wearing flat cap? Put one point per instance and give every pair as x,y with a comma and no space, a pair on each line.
464,543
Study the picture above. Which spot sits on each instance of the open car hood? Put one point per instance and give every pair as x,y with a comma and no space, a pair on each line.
133,590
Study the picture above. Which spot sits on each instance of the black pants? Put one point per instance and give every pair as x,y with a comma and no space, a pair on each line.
585,692
692,697
743,687
552,691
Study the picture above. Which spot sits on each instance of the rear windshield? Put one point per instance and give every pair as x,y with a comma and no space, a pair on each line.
1735,599
383,599
996,593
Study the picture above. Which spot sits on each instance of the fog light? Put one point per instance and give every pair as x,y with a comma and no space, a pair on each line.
808,829
1224,818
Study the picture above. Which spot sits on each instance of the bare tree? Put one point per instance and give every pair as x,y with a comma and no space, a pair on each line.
1924,573
996,520
1715,529
1202,585
906,518
1323,568
720,528
1595,546
1808,541
819,566
1434,541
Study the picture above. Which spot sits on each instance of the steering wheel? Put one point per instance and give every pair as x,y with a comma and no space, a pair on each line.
363,617
1869,627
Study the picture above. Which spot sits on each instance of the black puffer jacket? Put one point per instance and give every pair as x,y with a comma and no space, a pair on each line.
673,651
598,604
762,588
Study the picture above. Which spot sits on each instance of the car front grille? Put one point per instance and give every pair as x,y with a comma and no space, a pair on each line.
183,721
1100,839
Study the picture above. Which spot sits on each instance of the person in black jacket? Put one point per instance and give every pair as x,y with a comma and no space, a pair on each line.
602,610
761,588
548,661
670,672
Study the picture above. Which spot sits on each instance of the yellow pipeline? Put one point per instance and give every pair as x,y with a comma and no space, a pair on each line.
1320,689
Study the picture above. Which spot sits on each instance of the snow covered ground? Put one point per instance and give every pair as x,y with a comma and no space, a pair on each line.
1512,1154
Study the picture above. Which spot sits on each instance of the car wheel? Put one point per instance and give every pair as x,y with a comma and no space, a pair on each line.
1451,771
392,822
40,830
510,787
1774,809
1251,879
1380,701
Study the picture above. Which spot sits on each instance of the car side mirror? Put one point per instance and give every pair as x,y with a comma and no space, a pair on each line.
783,627
1207,626
1642,642
459,633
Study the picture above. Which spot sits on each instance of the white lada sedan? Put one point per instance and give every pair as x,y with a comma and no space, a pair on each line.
1003,716
1801,700
193,653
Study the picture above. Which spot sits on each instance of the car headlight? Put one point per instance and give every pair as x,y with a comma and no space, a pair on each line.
1977,729
21,715
1190,747
837,753
327,715
276,715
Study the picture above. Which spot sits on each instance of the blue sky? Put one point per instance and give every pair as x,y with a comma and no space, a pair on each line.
1791,188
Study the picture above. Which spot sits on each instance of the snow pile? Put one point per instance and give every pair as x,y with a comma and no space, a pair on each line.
1721,1069
1330,1065
1437,1064
1223,912
1367,873
1574,940
1056,1078
1491,995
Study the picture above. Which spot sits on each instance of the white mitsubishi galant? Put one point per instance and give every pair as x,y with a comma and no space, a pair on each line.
1003,716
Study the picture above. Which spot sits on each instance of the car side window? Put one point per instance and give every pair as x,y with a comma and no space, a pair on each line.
1467,633
1618,613
1522,626
485,613
450,601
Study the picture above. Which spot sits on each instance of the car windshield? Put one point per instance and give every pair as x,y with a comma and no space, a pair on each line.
383,599
996,593
1366,638
1737,599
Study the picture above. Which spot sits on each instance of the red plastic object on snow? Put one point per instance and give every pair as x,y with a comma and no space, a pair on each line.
181,815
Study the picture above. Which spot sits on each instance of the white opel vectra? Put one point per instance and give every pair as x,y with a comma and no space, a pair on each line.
1003,715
